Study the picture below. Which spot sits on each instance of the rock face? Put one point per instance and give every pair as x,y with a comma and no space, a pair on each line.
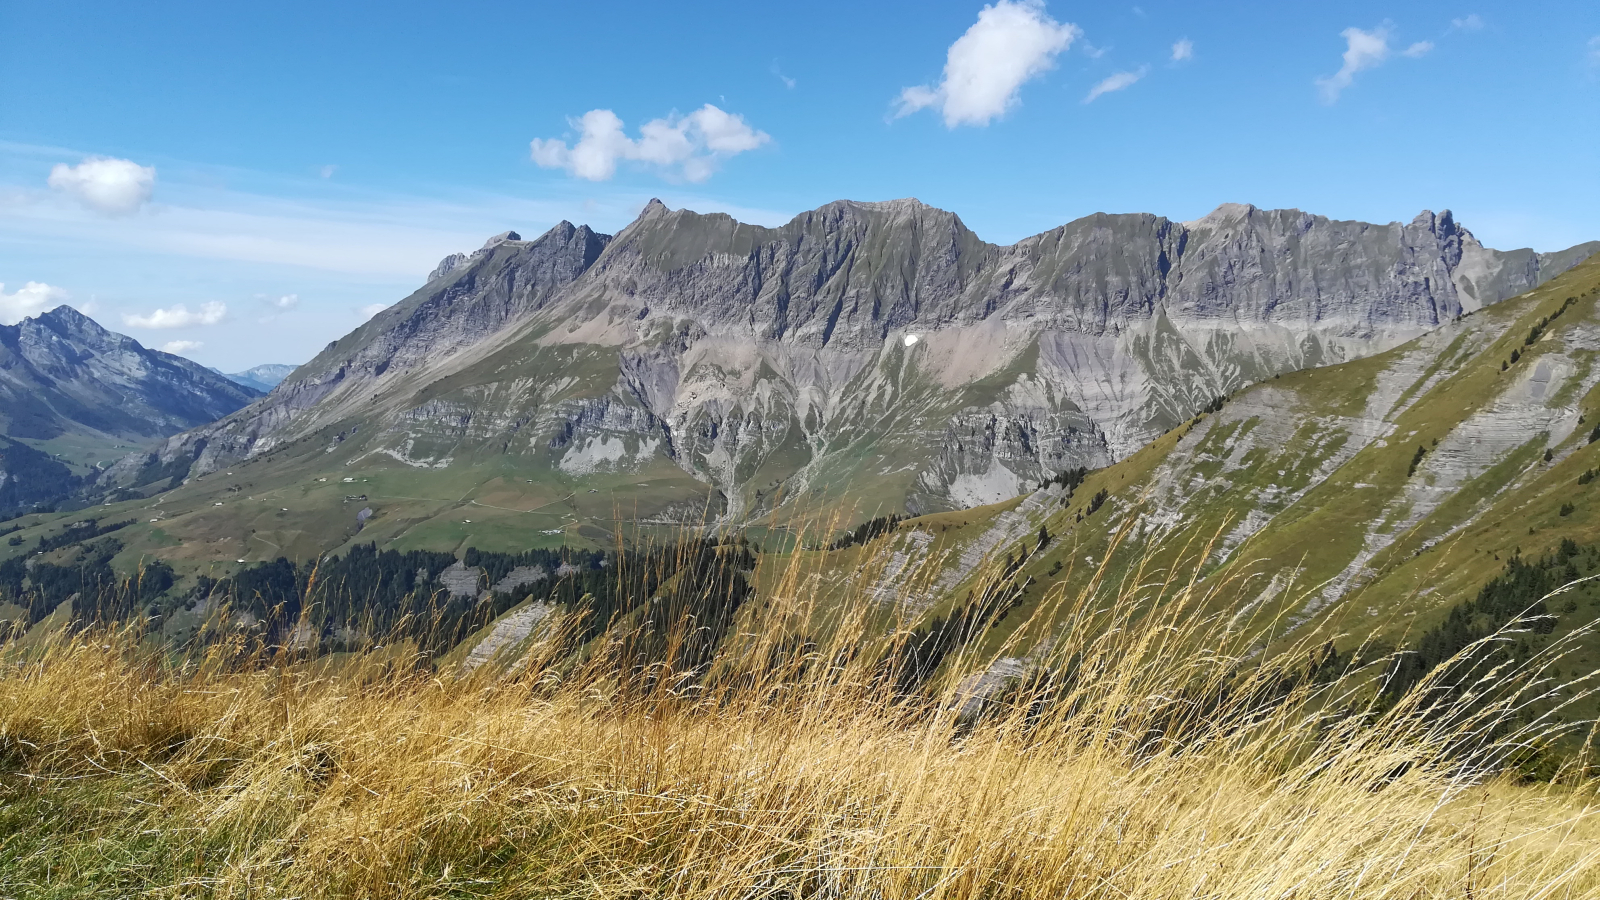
62,372
875,353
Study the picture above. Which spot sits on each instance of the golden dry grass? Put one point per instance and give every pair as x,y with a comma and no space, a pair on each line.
1163,759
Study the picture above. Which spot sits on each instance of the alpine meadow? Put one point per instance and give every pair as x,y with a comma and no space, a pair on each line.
707,549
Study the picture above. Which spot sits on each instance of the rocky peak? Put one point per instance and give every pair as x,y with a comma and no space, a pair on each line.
457,261
67,323
61,371
1224,215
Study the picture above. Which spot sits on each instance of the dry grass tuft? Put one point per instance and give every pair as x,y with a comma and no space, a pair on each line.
1151,755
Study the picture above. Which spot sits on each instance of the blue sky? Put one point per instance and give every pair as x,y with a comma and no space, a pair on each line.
273,171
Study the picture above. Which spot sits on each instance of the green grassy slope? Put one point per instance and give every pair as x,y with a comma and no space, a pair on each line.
1306,498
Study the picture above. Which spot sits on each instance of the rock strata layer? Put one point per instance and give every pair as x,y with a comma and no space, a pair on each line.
874,353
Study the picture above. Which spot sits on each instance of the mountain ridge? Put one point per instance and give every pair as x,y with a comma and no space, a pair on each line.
61,371
262,378
829,355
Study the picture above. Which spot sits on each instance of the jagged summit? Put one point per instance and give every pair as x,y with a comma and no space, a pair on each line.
750,359
1223,214
62,372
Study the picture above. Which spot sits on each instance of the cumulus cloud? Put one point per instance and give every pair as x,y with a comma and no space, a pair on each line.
1013,42
114,187
1363,50
1116,82
1183,50
31,299
181,346
178,316
1472,22
1418,50
371,309
689,147
285,302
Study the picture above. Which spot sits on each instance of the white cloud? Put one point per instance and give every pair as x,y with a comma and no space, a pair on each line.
787,81
31,299
367,236
1363,50
1183,50
179,316
1013,42
181,346
115,187
1594,50
1472,22
285,302
327,171
1418,50
690,147
1116,82
371,309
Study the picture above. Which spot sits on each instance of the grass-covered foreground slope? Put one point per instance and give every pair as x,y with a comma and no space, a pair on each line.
1147,758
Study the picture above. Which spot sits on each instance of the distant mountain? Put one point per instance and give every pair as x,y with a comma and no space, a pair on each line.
61,372
263,377
865,356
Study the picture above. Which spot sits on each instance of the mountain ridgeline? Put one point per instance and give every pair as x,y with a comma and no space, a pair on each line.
60,373
879,353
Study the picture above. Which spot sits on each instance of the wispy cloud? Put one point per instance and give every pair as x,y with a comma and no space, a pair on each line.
1013,42
1418,50
1183,50
1363,50
1116,82
178,316
1594,51
371,309
181,346
1471,22
689,147
787,81
247,238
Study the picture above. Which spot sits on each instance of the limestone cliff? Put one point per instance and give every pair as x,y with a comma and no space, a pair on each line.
879,353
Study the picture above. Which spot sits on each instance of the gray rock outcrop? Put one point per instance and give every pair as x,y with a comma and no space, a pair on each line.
875,348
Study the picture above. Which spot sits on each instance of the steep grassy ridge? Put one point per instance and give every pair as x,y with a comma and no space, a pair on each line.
1365,498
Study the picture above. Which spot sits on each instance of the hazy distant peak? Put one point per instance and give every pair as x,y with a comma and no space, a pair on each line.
263,377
